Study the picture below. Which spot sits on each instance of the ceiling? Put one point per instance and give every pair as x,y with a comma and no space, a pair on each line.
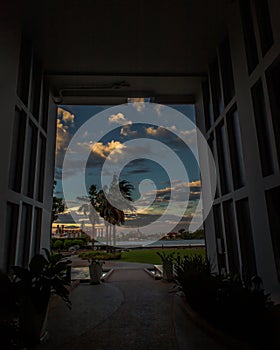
143,47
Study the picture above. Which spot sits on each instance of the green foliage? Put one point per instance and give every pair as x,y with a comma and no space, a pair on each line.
58,206
228,302
99,201
150,256
58,244
167,257
8,312
193,274
24,296
45,275
100,255
85,237
67,243
199,234
79,242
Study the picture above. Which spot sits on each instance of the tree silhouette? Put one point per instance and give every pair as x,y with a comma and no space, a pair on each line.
100,202
119,193
89,208
58,205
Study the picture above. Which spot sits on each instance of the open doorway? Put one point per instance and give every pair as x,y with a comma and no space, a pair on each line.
155,157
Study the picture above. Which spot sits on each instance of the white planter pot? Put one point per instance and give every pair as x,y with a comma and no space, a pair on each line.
95,272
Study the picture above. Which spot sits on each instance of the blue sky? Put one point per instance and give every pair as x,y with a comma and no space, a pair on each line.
155,148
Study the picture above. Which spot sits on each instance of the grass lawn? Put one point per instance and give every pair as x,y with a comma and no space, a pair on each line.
150,256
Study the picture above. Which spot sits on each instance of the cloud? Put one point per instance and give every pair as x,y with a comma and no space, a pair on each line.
196,183
126,131
64,123
115,151
155,131
62,136
161,131
139,171
179,192
138,103
104,150
65,218
158,109
119,118
65,116
135,99
189,136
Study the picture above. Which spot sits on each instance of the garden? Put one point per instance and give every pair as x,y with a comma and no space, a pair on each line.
240,308
145,256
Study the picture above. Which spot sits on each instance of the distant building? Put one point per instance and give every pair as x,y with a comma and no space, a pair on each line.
62,231
171,235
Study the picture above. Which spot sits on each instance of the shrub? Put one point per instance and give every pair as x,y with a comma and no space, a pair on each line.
78,242
58,244
166,257
67,243
240,308
100,255
193,274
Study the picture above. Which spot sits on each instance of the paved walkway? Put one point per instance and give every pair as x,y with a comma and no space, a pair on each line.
130,311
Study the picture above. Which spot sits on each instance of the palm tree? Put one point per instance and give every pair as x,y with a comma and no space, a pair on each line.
88,208
98,202
114,215
110,214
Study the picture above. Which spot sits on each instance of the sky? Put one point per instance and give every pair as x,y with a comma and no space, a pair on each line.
152,146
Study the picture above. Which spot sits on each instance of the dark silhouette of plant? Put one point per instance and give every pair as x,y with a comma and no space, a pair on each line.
241,308
44,275
90,207
102,203
57,207
119,194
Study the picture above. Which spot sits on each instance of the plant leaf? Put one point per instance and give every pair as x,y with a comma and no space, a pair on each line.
22,273
37,264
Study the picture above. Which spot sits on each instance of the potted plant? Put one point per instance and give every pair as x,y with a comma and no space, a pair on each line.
33,287
95,270
167,265
8,313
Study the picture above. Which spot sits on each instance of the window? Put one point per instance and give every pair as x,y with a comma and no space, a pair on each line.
231,238
235,147
45,106
226,71
273,85
208,114
24,71
262,128
219,238
37,223
223,159
246,239
216,89
25,235
41,168
11,232
212,145
272,202
249,35
35,88
264,24
17,154
30,160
